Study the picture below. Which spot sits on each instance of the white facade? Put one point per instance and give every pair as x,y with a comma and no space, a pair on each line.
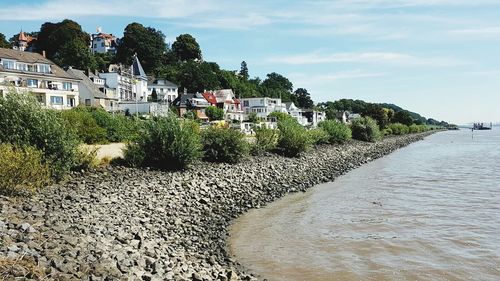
296,113
31,72
104,43
165,90
262,106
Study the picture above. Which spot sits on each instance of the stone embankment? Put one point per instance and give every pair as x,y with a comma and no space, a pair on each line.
137,224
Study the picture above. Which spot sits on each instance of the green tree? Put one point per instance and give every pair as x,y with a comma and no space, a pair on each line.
244,70
147,42
277,86
403,117
103,60
3,42
214,113
303,98
197,77
76,54
53,37
378,113
186,48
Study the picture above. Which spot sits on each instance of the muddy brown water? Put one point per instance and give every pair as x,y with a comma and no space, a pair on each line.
430,211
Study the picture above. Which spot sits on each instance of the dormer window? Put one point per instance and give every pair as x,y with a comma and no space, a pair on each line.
44,68
8,64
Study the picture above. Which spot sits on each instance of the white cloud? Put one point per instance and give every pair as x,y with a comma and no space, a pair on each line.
241,22
485,32
365,57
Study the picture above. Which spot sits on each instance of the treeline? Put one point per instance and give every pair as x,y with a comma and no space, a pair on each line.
182,63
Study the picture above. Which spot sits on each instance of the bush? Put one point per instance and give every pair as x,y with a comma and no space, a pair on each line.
414,128
266,139
22,170
281,116
399,129
319,136
337,131
293,138
166,143
214,113
387,132
223,145
85,126
86,158
365,129
24,122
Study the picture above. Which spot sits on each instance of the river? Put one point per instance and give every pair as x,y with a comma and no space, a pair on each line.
429,211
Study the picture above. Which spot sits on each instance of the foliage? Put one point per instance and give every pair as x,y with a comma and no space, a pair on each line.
75,53
337,131
277,86
399,129
3,42
387,132
167,143
86,158
103,60
403,117
22,170
252,117
365,129
281,116
244,70
147,42
293,139
185,48
24,122
85,126
196,76
414,128
214,113
377,113
319,136
303,98
222,144
266,139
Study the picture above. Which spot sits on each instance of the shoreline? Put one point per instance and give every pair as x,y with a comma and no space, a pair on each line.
145,224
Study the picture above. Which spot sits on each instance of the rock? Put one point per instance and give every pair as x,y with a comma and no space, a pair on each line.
26,227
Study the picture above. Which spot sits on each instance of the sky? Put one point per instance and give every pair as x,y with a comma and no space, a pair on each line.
440,58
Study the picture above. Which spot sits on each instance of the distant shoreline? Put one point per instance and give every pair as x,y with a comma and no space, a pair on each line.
141,223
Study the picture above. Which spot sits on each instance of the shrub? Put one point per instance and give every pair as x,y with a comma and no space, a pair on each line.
86,158
223,145
22,170
365,129
166,143
214,113
281,116
85,126
387,132
414,128
399,129
319,136
24,122
293,138
337,131
266,139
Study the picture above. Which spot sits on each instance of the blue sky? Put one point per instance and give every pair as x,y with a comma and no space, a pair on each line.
440,58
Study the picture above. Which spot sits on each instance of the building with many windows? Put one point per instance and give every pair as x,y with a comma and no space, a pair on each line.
164,89
102,43
263,106
32,72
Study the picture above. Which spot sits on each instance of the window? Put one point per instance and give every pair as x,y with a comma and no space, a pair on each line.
71,102
261,101
44,68
56,100
32,83
22,66
31,67
246,103
8,64
102,44
67,86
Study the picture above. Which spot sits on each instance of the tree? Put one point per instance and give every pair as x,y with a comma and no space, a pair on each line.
74,53
303,98
197,77
186,48
154,95
403,117
276,86
244,70
3,42
147,42
377,113
54,36
103,60
214,113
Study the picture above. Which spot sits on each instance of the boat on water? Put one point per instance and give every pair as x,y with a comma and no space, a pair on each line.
481,126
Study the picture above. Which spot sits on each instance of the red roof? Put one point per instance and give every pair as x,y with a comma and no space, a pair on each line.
210,97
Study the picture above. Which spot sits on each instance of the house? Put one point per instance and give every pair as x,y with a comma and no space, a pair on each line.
140,82
314,117
226,100
164,89
119,78
32,72
191,102
296,113
110,93
262,106
102,43
23,42
90,93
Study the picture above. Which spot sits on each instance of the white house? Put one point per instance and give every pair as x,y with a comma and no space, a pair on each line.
296,113
104,43
90,92
32,72
263,106
164,89
226,99
140,80
119,78
313,116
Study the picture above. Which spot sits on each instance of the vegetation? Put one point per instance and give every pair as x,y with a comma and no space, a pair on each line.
266,139
3,42
365,129
167,143
223,145
282,116
319,136
399,129
24,122
214,113
302,98
22,170
85,126
185,48
293,138
337,132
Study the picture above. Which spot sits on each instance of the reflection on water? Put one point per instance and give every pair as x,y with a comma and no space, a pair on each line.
430,211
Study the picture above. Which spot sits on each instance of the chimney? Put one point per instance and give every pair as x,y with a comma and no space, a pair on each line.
87,72
185,91
43,54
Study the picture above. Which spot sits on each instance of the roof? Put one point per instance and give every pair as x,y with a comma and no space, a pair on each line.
31,58
105,35
22,36
137,69
87,83
210,97
166,83
184,100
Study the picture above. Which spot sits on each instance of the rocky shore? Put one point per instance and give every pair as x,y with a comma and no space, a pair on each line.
122,223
